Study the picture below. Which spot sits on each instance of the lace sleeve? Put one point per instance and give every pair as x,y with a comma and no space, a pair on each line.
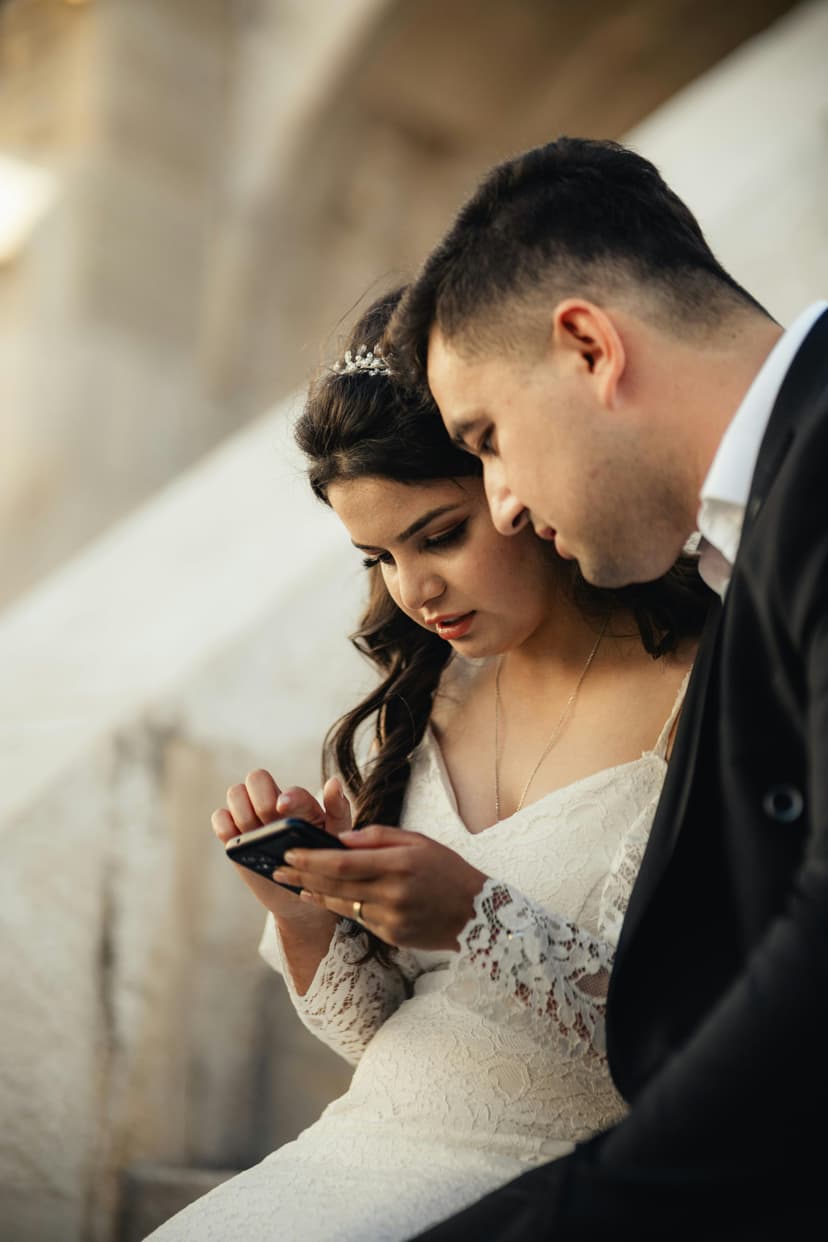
520,964
348,999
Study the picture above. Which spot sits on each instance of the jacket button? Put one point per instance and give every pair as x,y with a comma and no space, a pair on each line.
784,803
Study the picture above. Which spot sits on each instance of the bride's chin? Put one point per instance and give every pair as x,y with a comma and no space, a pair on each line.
472,650
478,650
491,643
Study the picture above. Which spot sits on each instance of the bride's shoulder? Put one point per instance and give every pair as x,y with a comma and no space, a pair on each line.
459,684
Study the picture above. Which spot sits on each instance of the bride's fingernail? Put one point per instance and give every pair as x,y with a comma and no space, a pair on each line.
284,802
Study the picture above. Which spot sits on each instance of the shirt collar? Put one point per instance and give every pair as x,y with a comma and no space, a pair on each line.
725,491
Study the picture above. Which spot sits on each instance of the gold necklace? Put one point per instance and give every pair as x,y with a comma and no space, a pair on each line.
556,732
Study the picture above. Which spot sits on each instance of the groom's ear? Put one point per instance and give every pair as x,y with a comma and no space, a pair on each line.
589,344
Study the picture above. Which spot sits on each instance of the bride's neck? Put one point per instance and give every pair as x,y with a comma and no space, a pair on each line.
562,643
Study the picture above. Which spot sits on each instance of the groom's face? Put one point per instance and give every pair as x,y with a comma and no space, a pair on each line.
552,455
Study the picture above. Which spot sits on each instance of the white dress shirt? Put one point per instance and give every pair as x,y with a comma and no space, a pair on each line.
725,491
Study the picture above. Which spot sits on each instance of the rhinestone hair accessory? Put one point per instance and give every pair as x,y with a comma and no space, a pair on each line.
363,359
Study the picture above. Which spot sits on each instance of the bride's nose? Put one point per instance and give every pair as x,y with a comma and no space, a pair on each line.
418,586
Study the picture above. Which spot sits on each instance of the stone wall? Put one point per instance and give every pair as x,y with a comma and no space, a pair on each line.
203,637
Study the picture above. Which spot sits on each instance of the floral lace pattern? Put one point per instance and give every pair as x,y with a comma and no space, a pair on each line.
524,966
350,996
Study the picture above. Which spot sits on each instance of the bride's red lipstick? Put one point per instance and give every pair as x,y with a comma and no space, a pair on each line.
453,626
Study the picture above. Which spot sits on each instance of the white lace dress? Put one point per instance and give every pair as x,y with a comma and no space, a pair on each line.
495,1062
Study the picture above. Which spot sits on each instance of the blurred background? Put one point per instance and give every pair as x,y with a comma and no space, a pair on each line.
196,199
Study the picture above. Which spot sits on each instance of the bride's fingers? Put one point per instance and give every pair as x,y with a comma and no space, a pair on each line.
298,803
337,808
336,873
223,826
241,808
263,793
359,911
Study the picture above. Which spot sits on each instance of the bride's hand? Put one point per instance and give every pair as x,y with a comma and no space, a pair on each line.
414,892
260,801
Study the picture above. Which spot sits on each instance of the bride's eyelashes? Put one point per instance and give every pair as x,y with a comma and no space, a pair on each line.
454,536
382,558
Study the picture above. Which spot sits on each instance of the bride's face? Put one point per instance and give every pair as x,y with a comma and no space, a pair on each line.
445,565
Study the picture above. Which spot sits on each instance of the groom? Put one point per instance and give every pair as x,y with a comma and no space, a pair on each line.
623,391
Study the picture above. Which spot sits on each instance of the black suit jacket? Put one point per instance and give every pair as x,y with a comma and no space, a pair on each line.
717,1014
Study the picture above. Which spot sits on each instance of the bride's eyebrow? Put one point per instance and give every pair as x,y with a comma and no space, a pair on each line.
415,526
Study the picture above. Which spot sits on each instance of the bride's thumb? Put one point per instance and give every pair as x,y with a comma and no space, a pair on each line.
337,807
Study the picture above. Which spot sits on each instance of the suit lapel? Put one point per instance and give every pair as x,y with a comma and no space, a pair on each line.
806,378
677,785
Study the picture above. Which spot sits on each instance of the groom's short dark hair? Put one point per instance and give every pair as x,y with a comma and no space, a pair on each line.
574,217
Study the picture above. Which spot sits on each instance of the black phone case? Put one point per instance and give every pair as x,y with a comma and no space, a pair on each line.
264,854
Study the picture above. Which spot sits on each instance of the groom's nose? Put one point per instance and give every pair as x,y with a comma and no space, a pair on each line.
508,513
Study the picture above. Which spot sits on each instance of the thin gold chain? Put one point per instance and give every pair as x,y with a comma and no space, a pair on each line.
556,732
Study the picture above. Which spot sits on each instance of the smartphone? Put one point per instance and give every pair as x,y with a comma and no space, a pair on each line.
263,849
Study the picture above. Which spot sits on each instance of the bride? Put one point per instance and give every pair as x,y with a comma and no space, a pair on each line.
520,731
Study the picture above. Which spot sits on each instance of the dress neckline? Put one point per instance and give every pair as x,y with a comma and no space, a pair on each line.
657,753
445,779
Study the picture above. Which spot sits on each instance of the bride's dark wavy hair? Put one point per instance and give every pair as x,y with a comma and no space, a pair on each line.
356,425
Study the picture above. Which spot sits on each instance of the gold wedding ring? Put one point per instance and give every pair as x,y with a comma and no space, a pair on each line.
358,912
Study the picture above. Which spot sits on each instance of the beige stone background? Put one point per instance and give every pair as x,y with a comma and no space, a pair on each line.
226,182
